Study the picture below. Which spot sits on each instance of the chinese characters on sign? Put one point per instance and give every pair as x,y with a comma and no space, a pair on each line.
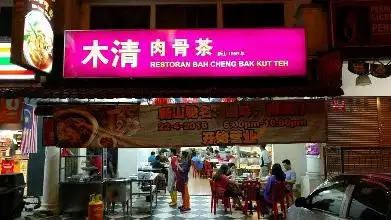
129,50
185,53
191,124
240,121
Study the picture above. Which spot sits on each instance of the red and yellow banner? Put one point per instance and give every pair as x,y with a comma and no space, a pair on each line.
201,124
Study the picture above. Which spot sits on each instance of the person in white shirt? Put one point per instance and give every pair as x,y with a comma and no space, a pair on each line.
264,161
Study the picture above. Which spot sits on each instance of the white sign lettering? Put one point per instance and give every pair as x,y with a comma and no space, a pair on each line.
180,46
95,54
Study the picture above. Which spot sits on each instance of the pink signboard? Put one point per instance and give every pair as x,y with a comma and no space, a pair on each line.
228,53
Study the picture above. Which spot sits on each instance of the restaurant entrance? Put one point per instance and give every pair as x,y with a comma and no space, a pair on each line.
236,129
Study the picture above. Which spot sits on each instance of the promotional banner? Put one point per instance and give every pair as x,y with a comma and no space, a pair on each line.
190,124
32,34
358,23
11,111
185,53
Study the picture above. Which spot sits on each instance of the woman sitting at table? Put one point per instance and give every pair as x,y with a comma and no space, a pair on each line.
218,156
228,188
277,176
232,170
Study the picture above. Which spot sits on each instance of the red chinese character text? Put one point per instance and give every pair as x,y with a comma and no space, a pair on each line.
244,111
232,111
235,137
191,111
222,137
205,112
165,113
178,112
208,138
250,136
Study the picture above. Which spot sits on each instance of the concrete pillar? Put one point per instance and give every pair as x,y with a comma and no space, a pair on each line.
50,198
313,176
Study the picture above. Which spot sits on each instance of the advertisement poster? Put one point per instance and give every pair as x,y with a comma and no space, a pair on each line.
34,41
185,53
202,124
361,23
11,111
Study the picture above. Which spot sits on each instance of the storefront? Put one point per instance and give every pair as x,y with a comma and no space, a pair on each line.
358,136
11,158
192,55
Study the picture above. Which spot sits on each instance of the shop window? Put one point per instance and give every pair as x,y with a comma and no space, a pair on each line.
186,16
253,15
120,17
5,21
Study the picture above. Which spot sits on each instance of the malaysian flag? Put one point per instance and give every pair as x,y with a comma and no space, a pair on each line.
29,136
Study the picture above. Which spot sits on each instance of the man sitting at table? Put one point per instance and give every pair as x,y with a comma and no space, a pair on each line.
159,165
197,160
151,158
290,175
225,186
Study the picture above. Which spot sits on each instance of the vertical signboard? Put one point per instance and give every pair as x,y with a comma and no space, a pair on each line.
32,34
358,23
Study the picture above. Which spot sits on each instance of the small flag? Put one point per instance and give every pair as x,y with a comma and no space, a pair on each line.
29,136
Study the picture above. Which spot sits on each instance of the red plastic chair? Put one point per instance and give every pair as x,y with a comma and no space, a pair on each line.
278,197
208,169
216,197
289,195
250,192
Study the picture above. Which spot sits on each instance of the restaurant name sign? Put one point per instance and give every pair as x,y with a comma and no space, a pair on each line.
185,53
357,23
191,124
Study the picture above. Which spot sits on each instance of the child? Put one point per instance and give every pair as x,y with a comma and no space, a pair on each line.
171,185
182,179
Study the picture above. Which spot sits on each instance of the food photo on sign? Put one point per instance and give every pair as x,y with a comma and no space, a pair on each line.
189,124
34,42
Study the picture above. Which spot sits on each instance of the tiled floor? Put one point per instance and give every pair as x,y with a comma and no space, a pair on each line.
200,209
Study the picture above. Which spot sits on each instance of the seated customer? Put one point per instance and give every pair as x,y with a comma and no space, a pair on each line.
277,176
232,170
163,158
290,175
225,186
197,161
151,158
158,165
218,156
